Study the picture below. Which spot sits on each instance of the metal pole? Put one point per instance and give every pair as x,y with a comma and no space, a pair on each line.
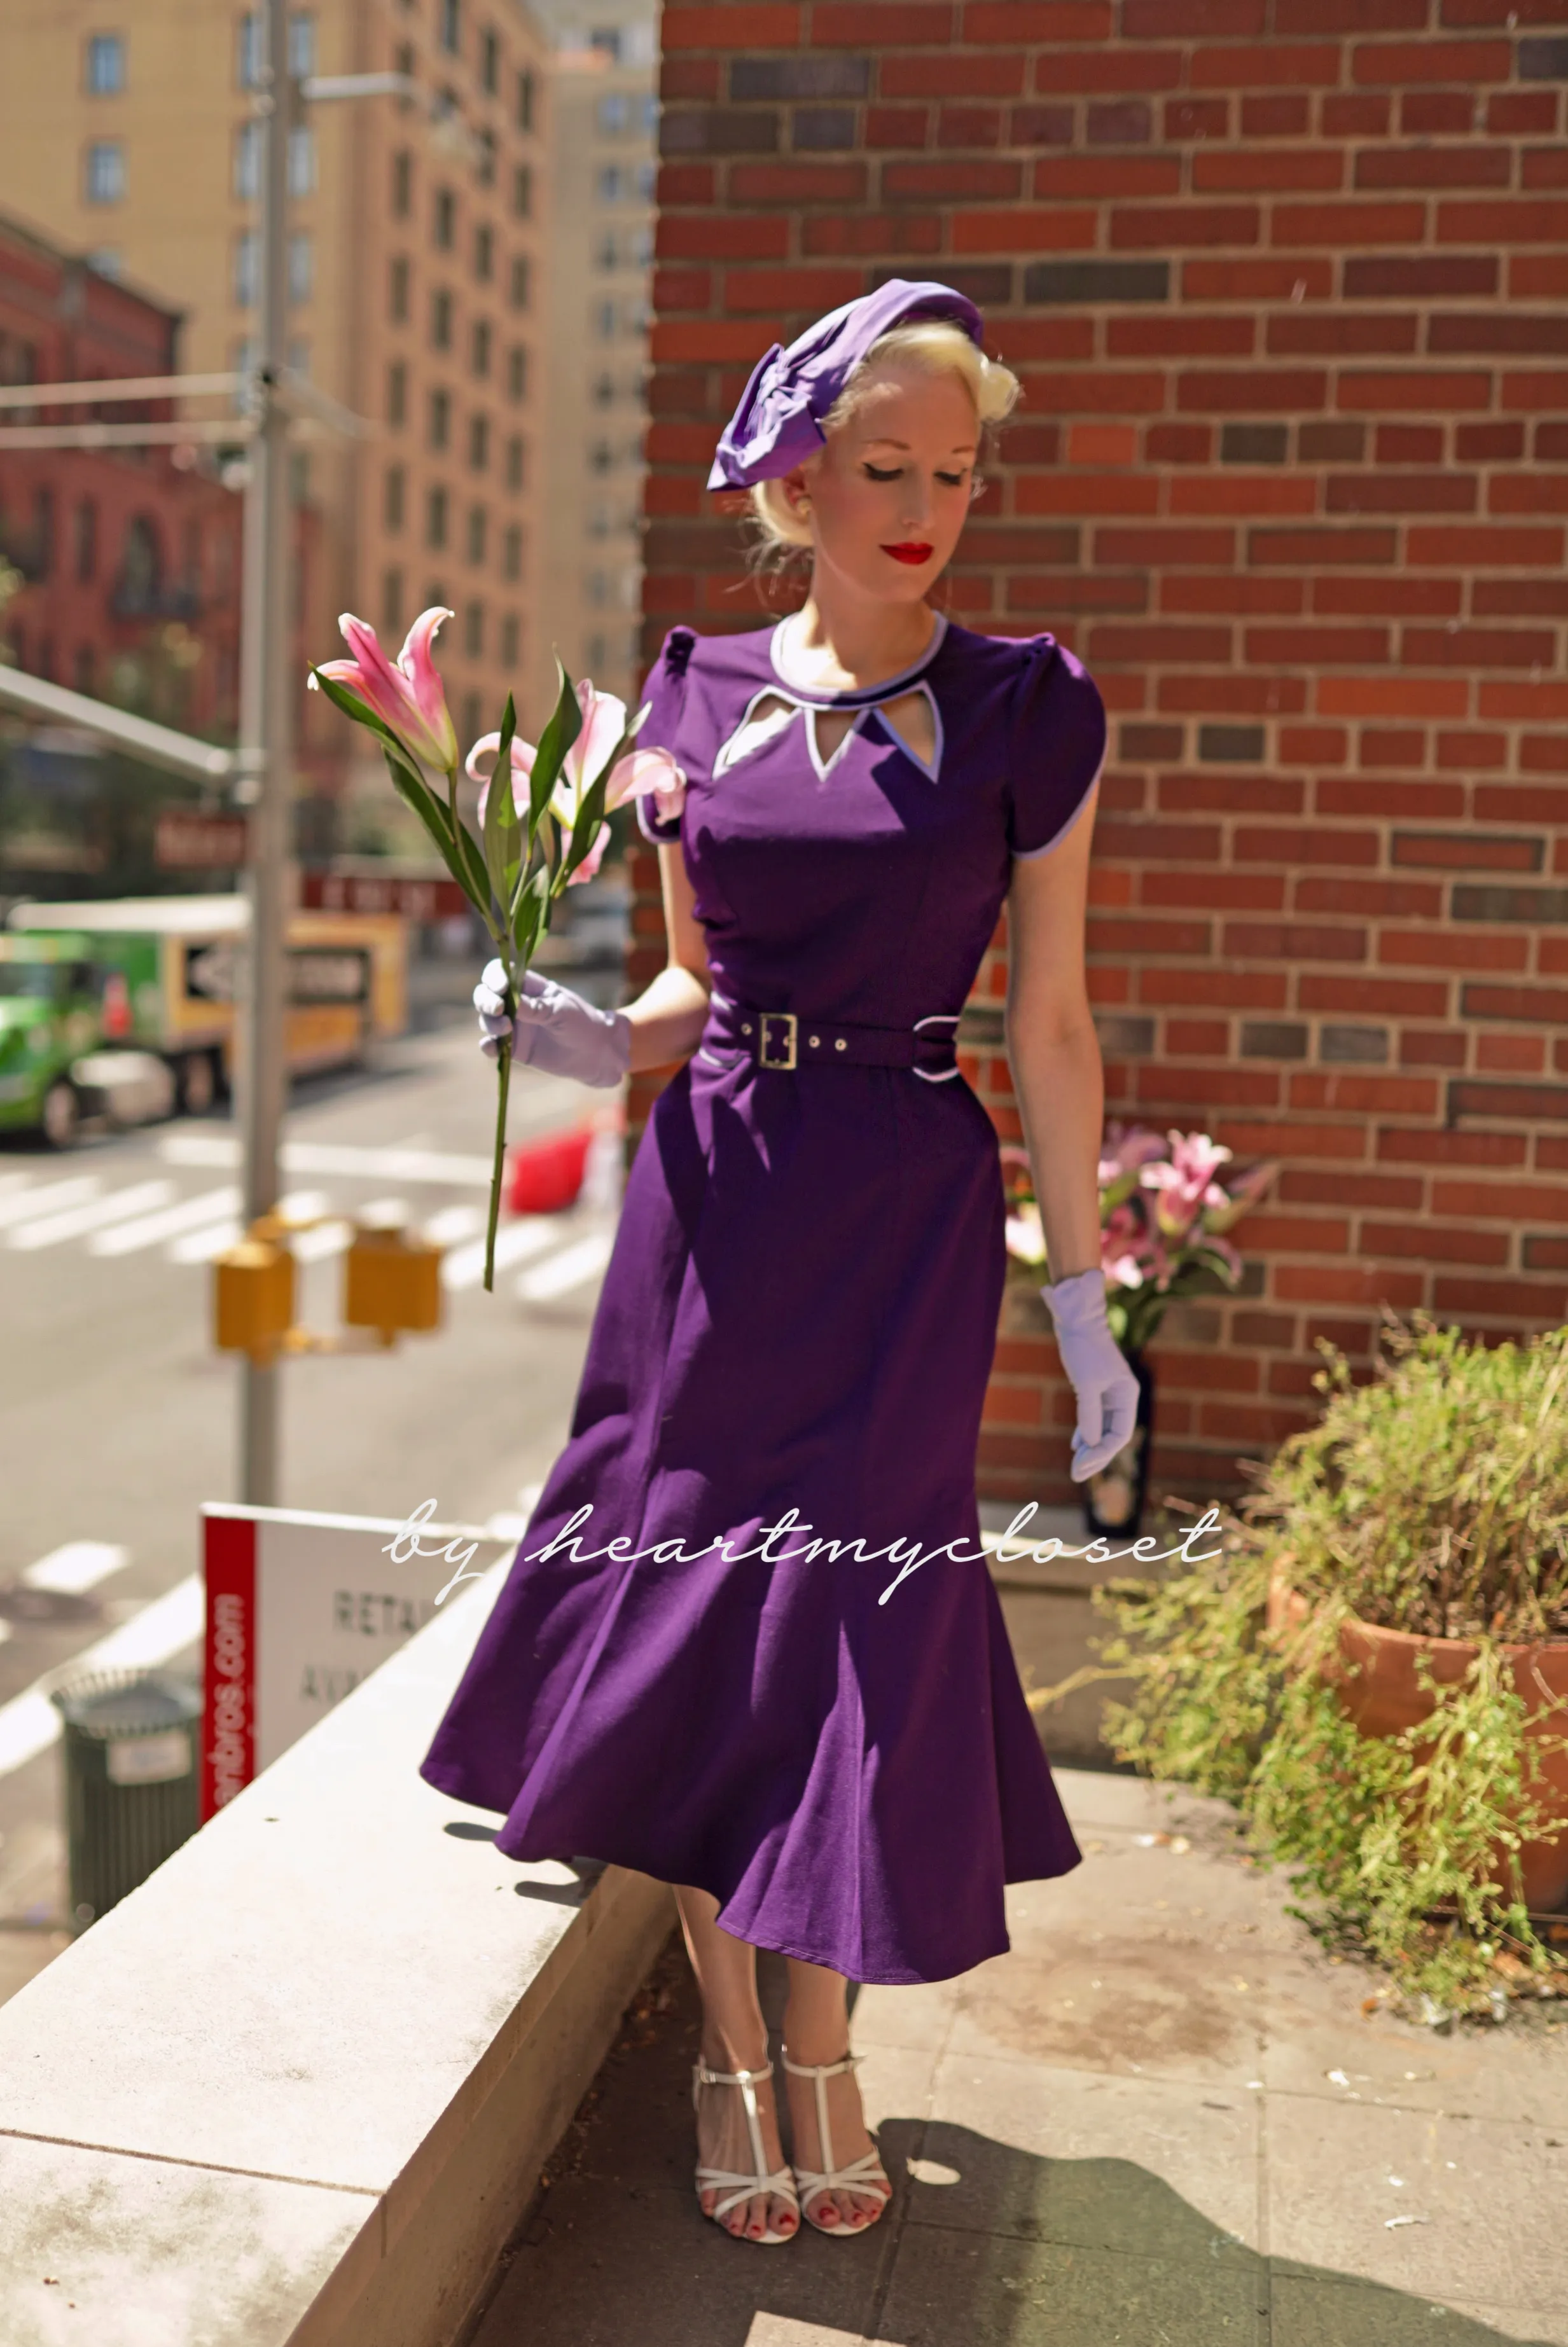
266,696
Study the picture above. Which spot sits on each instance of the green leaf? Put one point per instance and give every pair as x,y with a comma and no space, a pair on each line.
416,793
564,725
530,915
584,831
503,830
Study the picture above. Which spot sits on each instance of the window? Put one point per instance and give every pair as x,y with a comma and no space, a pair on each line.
614,112
398,393
597,590
642,248
247,161
402,183
650,113
106,260
106,171
485,168
597,654
302,160
44,532
86,540
392,601
478,441
84,668
473,716
484,252
397,288
436,517
302,44
609,41
403,63
522,192
523,110
392,503
612,183
489,61
302,48
515,461
440,418
511,641
448,25
441,319
446,217
604,321
474,631
512,552
301,265
481,346
517,372
299,355
601,455
607,252
604,390
518,289
647,180
477,522
245,256
105,65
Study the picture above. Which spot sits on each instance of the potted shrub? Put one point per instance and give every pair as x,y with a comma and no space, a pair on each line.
1166,1202
1373,1662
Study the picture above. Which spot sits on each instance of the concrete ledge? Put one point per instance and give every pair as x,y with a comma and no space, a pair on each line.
298,2087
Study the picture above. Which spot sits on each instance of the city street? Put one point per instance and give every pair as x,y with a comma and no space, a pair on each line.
121,1419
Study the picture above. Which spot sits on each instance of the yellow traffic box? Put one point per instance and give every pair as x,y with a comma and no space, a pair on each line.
392,1283
253,1298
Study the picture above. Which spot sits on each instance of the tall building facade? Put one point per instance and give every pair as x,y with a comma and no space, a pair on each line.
604,141
415,278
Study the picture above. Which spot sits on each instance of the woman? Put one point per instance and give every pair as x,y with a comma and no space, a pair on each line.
814,1728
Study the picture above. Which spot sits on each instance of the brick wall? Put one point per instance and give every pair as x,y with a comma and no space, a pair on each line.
1283,280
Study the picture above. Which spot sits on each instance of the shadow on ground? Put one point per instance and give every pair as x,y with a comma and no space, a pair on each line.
983,2246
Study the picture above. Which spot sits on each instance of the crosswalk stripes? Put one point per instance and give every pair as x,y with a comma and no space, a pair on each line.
114,1224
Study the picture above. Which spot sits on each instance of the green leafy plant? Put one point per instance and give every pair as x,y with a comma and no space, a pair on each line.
1432,1499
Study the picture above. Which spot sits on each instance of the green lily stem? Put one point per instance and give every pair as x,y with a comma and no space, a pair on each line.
504,1064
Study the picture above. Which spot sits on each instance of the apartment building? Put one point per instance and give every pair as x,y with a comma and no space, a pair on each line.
415,278
604,141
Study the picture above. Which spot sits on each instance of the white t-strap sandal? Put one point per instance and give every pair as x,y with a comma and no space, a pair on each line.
781,2180
865,2174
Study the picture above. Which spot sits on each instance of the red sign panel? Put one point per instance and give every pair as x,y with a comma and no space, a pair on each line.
188,841
360,892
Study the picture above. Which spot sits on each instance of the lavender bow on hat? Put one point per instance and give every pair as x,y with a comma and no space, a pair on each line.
778,423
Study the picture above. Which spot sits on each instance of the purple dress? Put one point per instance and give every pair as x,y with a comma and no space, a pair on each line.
800,1313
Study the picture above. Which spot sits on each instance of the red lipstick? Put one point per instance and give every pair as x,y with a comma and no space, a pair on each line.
912,552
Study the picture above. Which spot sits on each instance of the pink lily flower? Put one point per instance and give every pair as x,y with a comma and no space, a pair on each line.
1180,1187
1222,1213
604,724
406,693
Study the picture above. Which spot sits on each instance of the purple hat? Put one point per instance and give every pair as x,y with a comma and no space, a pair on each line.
778,423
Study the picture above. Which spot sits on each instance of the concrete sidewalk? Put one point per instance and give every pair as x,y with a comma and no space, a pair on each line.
1161,2120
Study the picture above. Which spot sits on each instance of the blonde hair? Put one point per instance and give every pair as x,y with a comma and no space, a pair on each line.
927,345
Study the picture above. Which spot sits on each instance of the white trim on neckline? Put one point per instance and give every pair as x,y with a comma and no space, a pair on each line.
860,696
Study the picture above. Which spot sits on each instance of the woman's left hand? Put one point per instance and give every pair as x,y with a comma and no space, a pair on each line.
1106,1388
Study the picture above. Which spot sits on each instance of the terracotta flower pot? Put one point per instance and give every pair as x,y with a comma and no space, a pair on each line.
1386,1697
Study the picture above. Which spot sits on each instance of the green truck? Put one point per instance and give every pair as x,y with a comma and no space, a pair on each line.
127,1007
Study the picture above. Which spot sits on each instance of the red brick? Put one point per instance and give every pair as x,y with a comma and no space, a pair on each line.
1434,167
1076,493
1233,696
1271,65
1257,281
1490,443
1129,176
881,25
1381,746
1527,493
791,289
712,338
1175,20
732,26
797,183
1477,648
1409,444
1503,222
1113,640
1435,112
1360,114
1535,703
1310,548
1152,336
1097,393
1282,116
1427,598
1537,276
718,237
686,183
1545,167
689,77
896,126
1461,14
1534,393
879,233
1446,393
1312,746
1160,546
1179,443
951,76
1246,596
1465,63
1347,224
1170,228
1374,333
1060,73
1237,392
1103,444
682,289
1258,170
1521,113
1515,548
1197,117
933,181
969,125
1543,753
1307,646
1009,21
1395,493
1391,696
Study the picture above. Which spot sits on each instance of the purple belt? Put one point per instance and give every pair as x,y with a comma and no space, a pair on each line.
788,1039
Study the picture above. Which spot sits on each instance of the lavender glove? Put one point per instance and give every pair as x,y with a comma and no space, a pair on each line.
555,1030
1106,1388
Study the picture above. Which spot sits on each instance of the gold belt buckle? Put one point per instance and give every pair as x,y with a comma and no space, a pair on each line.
790,1022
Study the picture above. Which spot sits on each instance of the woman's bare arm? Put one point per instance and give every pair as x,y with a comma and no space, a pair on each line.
1058,1078
668,1016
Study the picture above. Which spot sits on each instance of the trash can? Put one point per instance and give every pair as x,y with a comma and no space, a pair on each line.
130,1741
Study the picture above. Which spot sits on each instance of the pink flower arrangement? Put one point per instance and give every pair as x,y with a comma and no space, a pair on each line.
1166,1204
603,731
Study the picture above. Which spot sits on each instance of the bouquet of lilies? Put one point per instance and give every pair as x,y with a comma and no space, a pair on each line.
535,839
1165,1208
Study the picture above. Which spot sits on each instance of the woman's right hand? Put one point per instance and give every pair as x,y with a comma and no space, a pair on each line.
554,1029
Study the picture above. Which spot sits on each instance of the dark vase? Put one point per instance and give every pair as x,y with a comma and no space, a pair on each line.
1114,1499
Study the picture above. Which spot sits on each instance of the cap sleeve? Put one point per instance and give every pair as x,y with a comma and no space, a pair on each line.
1058,746
665,692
